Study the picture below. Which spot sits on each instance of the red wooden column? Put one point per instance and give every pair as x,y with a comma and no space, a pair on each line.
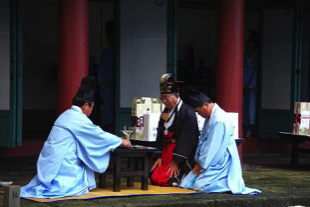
230,58
73,49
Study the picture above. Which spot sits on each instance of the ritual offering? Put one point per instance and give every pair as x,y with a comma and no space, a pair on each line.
145,116
127,133
302,118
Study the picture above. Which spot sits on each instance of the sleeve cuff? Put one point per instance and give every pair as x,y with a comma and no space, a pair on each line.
179,158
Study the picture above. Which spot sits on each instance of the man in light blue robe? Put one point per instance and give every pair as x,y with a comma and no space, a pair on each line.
74,149
217,166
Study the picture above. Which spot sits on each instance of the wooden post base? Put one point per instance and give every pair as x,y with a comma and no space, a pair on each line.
11,196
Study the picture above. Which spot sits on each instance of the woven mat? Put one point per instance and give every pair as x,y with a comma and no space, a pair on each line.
125,191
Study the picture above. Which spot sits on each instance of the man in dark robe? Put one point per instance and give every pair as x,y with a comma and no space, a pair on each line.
177,137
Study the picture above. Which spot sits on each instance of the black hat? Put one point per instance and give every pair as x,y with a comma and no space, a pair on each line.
193,97
168,84
87,89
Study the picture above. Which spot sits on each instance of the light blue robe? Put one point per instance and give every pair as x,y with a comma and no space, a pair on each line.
217,154
74,149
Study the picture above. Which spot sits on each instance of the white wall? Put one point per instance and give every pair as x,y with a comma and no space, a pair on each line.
4,56
277,58
143,48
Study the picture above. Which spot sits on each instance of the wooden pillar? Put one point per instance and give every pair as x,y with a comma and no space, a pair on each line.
73,49
229,75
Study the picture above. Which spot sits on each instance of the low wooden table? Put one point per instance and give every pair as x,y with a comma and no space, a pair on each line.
295,140
137,165
153,144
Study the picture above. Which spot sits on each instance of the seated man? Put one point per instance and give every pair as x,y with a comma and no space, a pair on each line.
74,149
217,165
177,137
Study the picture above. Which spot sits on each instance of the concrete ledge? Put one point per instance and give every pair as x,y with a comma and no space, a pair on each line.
11,194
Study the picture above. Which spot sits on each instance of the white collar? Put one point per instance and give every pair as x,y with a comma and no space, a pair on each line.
77,108
213,109
179,104
170,122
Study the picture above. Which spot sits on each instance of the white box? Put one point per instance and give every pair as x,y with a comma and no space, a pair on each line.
302,118
150,126
301,108
137,107
147,104
304,126
156,106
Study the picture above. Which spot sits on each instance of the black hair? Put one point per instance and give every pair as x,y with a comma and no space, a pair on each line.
77,101
209,100
193,97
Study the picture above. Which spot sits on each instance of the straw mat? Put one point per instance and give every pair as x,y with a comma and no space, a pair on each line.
125,191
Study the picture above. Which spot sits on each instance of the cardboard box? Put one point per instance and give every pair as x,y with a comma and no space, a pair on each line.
301,108
156,106
147,105
137,107
302,118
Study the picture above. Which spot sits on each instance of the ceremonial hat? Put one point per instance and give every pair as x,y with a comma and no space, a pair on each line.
168,84
87,89
193,98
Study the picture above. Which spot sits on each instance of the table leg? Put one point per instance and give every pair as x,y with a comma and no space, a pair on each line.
117,174
294,153
131,167
144,185
102,180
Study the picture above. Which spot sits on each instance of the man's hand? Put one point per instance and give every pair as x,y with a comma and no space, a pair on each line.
126,143
173,169
157,163
197,169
